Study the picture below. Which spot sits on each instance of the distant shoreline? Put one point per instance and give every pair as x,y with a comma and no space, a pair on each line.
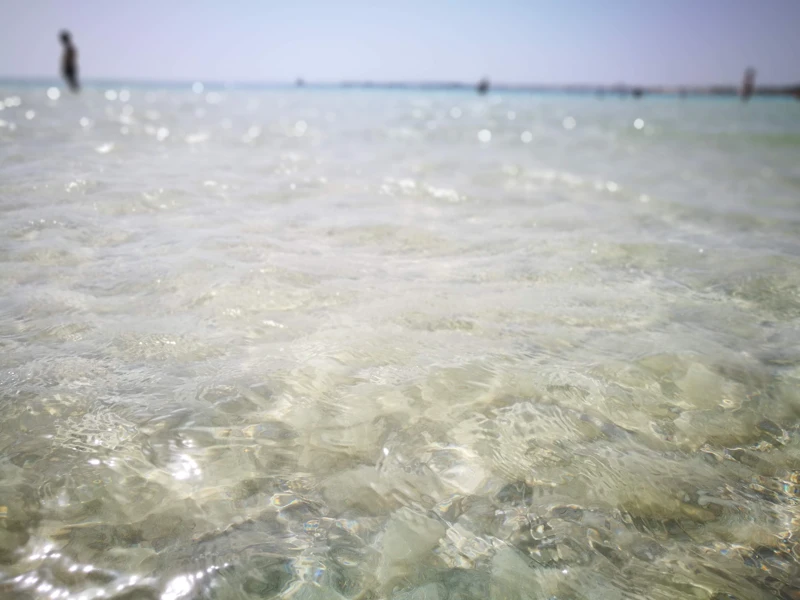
789,90
612,90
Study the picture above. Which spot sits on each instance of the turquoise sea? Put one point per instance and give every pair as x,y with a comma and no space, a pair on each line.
327,344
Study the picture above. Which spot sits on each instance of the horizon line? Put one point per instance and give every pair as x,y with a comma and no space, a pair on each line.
788,87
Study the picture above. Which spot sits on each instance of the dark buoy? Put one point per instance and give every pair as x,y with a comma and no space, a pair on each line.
637,93
483,86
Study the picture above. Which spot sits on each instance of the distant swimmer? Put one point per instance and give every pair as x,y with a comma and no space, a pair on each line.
748,84
483,86
69,62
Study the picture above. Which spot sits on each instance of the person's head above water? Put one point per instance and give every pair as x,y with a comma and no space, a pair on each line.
66,39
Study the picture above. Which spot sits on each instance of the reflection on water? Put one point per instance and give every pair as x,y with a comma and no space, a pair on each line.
322,345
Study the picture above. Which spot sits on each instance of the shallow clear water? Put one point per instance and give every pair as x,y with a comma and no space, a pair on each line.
337,344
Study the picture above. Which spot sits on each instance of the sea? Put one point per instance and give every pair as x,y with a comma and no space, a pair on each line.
363,344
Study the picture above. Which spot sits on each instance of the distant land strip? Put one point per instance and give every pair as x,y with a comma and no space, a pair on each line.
620,89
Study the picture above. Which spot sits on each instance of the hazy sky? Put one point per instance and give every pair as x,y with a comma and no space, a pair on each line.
542,41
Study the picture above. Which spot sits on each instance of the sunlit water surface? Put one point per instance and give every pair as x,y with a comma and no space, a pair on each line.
328,345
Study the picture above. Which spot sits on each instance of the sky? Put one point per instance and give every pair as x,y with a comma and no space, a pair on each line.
646,42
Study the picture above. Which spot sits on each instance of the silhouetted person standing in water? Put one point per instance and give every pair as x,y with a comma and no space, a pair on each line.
748,84
69,62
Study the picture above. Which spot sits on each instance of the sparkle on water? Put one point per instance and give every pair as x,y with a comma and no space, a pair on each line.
329,345
300,128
